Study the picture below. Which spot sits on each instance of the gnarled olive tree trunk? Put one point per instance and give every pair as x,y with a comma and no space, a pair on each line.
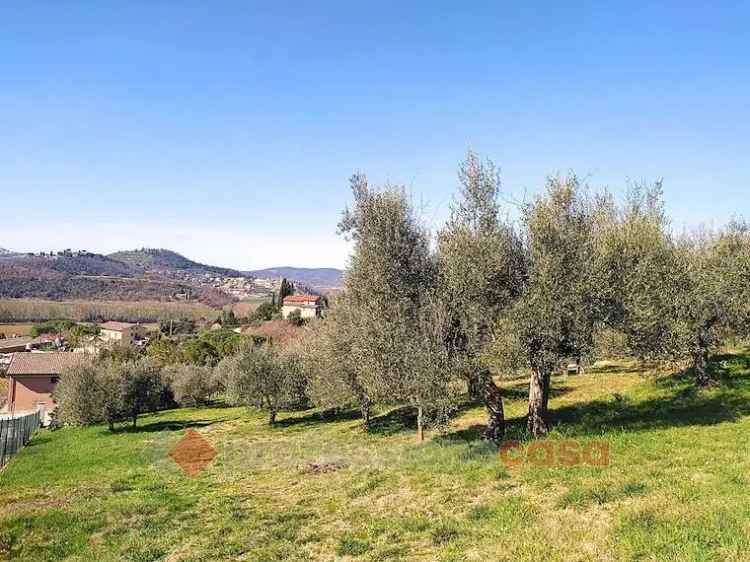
365,407
700,361
538,418
493,401
420,424
701,353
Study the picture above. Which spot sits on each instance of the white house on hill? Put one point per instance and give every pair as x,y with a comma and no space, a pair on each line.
309,306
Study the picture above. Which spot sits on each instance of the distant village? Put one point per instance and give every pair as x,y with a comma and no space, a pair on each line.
238,287
32,364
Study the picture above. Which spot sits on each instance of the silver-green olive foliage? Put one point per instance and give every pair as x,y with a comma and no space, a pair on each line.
394,319
561,303
481,269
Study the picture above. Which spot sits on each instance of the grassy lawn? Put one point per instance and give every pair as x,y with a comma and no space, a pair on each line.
677,486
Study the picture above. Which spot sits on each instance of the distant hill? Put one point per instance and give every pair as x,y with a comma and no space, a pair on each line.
95,277
145,274
158,260
314,277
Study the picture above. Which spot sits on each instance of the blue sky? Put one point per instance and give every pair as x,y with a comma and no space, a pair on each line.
227,130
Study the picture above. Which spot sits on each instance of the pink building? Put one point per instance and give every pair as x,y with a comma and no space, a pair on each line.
32,378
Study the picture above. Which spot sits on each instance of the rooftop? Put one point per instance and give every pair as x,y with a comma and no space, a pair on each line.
301,299
116,326
13,342
43,363
10,343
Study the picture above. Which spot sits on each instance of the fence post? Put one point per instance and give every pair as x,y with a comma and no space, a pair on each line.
3,438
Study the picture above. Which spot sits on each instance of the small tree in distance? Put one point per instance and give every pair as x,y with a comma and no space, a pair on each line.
261,377
264,312
108,391
334,378
295,318
192,385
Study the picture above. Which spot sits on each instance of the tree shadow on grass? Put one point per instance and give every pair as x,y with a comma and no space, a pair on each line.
320,416
391,422
472,433
167,425
38,440
520,390
404,419
681,404
608,369
685,407
394,421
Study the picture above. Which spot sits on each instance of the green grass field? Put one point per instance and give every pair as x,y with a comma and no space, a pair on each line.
677,486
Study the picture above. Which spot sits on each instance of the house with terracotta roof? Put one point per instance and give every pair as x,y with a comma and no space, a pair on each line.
32,378
309,306
121,332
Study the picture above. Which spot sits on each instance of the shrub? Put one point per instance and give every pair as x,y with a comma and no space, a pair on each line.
192,385
260,376
164,351
79,396
52,327
264,312
108,391
295,318
197,351
224,342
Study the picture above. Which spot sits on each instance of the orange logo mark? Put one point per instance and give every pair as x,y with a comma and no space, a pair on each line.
193,453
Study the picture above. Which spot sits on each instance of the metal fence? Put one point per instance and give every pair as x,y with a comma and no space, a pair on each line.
16,432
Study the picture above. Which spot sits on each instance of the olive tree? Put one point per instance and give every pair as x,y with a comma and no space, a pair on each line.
428,380
108,391
140,388
715,292
644,275
480,273
79,396
560,305
263,377
192,385
333,376
674,298
388,276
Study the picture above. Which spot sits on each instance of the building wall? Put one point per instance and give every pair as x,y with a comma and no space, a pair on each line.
111,335
125,336
29,391
305,311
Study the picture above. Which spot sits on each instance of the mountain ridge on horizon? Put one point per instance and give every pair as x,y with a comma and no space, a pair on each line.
142,262
315,277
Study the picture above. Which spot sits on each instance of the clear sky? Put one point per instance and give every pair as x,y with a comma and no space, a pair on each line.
227,130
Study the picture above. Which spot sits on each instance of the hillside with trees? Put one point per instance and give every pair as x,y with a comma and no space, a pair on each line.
161,261
95,277
318,278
